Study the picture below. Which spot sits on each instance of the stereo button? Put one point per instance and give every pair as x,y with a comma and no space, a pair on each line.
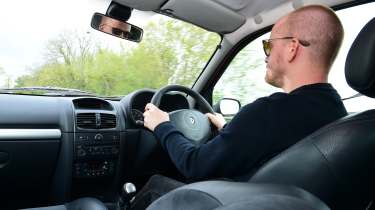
99,137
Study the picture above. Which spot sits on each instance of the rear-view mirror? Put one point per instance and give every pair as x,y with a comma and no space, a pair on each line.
116,27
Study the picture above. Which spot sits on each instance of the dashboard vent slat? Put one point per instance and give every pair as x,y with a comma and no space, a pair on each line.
96,120
107,121
86,120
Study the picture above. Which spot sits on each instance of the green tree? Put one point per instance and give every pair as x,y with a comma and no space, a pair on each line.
65,61
7,78
171,52
244,77
2,72
191,46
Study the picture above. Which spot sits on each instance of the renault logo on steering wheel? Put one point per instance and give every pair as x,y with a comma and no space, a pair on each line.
192,120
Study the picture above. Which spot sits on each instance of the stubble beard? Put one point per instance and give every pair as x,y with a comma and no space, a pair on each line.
271,79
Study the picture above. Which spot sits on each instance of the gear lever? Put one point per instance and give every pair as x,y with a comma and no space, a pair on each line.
127,193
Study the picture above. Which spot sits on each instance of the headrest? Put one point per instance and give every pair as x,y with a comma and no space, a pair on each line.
360,62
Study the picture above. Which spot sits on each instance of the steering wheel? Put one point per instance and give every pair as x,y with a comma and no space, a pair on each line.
192,123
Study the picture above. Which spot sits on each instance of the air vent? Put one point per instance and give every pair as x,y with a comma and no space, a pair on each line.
96,120
107,120
86,120
92,103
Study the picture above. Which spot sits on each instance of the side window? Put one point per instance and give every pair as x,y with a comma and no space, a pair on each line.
244,78
353,20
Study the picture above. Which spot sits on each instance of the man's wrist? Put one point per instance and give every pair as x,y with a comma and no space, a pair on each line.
224,126
160,125
163,131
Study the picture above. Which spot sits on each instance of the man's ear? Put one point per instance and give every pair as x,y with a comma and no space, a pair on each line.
293,48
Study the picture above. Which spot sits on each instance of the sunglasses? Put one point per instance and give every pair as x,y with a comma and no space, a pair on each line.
119,32
114,31
267,44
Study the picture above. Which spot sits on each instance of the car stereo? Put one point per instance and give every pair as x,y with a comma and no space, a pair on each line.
96,154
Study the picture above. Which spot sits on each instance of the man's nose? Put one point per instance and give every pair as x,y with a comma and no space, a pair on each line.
266,60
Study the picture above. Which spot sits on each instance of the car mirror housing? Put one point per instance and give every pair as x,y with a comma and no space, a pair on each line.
227,106
115,27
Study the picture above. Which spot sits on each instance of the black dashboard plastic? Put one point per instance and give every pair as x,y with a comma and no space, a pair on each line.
39,142
22,111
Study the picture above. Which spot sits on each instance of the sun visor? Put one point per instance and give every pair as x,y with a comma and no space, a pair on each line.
145,5
234,4
210,15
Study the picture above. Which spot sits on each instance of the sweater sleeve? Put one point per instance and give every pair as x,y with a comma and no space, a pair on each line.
232,151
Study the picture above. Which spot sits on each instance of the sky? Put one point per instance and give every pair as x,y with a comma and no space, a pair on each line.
23,37
27,27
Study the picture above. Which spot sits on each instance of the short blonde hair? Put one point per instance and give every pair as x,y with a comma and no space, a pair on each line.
320,26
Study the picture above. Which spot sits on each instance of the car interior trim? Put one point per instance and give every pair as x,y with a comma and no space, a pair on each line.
8,134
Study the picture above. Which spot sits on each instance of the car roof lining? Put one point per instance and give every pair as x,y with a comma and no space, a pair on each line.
233,43
205,14
225,16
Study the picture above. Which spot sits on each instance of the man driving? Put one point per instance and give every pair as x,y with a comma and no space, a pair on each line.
299,55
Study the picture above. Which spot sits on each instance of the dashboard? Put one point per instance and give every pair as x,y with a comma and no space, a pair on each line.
70,147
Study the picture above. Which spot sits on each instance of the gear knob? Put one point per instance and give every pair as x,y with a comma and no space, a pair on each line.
127,193
128,190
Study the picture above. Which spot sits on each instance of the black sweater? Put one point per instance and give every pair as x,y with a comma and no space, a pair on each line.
260,130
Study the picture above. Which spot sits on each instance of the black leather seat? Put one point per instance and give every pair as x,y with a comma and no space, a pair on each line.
79,204
336,163
220,195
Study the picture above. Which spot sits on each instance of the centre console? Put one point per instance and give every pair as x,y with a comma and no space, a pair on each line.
95,154
96,149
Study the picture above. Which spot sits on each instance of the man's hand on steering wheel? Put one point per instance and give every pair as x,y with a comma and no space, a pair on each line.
193,124
153,116
217,120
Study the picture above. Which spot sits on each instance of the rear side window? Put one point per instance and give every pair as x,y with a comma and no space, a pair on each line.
353,20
